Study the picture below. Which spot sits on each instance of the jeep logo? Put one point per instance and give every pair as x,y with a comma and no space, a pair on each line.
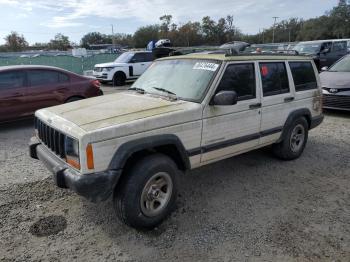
333,90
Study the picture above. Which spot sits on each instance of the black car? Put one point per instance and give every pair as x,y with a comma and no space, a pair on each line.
336,85
324,52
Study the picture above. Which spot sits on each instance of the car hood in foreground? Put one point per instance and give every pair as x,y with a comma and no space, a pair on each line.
338,80
134,112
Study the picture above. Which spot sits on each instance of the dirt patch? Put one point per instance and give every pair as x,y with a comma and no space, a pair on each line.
47,226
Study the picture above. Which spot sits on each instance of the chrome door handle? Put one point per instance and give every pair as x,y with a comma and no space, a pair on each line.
254,106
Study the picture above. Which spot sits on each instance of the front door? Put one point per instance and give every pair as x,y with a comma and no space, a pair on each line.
141,61
12,95
229,130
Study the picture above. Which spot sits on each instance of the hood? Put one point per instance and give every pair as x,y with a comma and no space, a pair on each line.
111,64
117,109
337,80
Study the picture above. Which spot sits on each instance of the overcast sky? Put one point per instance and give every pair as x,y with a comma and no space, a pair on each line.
40,20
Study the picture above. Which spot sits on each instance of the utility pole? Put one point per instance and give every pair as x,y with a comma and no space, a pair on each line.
113,40
273,29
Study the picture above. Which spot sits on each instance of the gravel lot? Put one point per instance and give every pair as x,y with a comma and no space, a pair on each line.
251,207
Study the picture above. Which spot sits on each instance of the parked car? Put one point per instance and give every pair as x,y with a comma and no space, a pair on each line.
336,85
324,52
128,66
25,89
182,113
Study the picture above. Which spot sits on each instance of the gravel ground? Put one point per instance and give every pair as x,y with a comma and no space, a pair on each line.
252,207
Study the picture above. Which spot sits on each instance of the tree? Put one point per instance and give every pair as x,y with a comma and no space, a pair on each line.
60,42
165,23
145,34
15,42
94,38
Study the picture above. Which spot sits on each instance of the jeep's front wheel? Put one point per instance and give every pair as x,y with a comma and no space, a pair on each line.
119,79
293,144
147,193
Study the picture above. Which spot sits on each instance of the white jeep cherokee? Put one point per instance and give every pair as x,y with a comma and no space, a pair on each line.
127,66
182,113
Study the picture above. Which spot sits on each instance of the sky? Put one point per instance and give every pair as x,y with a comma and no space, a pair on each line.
40,20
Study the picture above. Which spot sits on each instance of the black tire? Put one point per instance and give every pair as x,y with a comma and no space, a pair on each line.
129,195
119,79
288,148
74,98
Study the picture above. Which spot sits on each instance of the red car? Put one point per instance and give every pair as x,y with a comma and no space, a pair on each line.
24,89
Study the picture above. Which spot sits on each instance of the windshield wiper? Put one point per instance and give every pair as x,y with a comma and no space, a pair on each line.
138,90
165,91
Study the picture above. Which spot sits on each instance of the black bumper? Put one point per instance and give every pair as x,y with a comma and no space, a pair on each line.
316,121
95,187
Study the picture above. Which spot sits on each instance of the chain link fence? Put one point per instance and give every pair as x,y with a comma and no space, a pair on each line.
74,64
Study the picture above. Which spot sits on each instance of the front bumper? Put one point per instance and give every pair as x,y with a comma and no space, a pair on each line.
338,102
96,187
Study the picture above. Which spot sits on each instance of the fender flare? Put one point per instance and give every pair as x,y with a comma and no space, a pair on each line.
302,112
126,150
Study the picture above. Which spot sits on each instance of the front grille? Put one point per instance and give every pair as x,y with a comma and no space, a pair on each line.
52,138
98,69
336,101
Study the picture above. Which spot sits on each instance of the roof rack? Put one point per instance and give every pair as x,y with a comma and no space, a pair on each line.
233,52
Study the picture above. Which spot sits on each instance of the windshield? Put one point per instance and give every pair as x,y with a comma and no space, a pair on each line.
307,48
124,57
341,66
188,79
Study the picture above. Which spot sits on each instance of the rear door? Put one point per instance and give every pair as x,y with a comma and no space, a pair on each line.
141,62
339,49
46,88
12,95
277,99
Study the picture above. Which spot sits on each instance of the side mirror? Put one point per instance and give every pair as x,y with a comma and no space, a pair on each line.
225,98
325,68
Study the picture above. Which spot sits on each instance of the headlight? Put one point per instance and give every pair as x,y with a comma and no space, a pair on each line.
107,69
72,152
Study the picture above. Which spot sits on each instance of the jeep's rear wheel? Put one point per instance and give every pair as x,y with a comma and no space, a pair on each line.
147,193
119,79
293,144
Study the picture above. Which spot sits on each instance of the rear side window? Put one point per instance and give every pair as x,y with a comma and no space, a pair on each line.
63,78
239,78
42,77
303,75
143,57
274,78
12,79
339,46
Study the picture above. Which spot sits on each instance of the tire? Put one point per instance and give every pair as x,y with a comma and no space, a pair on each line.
74,98
119,79
134,196
292,146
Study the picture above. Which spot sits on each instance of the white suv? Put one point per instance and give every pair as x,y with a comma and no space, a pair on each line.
182,113
128,66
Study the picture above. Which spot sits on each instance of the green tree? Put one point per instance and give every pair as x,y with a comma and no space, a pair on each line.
145,34
15,42
165,25
60,42
94,38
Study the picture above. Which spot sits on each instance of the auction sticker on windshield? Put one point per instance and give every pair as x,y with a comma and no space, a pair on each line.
206,66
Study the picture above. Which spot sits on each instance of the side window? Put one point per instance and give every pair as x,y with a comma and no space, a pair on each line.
13,79
274,78
239,78
63,78
149,57
139,57
42,77
339,46
326,45
303,75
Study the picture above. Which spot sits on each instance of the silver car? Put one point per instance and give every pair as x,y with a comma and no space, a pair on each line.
336,85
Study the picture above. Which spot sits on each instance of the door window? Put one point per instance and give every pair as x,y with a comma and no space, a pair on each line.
274,78
13,79
241,79
42,77
303,75
339,46
143,57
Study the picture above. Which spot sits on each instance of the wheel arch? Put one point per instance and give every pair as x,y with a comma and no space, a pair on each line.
74,96
169,145
302,112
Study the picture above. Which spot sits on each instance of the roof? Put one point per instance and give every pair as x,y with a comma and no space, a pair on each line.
29,67
243,57
322,41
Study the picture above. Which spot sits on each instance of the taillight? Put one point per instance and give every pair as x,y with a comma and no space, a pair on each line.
96,84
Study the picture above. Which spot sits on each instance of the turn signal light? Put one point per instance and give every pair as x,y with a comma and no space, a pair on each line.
89,157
